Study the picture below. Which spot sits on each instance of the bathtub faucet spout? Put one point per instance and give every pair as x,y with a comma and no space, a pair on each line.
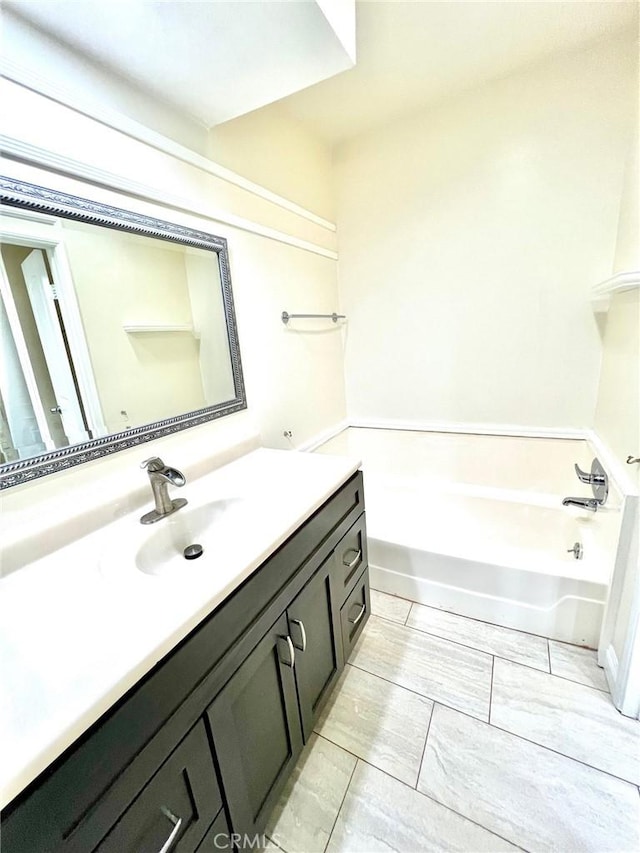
584,503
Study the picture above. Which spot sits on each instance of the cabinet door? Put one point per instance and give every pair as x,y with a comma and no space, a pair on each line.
256,730
174,810
314,626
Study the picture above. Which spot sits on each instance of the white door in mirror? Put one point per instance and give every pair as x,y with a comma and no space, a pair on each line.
43,304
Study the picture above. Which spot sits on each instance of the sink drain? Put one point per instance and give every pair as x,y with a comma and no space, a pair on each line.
192,552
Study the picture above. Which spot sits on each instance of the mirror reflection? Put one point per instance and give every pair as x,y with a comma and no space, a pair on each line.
103,331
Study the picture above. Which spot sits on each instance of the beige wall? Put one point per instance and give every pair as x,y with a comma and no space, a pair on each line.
617,419
469,237
627,256
124,279
293,381
276,151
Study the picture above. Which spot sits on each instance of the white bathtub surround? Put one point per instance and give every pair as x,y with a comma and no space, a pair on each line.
55,687
478,787
503,642
444,671
577,664
379,722
572,719
540,800
474,524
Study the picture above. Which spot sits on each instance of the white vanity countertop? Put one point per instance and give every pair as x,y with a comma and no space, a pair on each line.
81,626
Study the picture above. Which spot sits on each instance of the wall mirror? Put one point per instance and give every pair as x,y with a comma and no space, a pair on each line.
116,328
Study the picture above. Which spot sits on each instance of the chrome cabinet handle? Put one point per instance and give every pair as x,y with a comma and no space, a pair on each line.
177,823
358,555
363,608
292,652
303,634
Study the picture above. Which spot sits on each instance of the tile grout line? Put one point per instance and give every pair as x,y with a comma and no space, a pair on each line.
484,622
410,690
481,621
493,725
493,665
388,619
346,791
466,645
416,790
495,655
424,748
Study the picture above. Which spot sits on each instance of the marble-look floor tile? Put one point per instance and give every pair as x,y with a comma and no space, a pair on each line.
389,606
577,664
575,720
306,812
536,798
380,722
380,813
443,671
514,645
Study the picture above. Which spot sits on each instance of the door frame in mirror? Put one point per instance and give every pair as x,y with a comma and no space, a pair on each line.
26,196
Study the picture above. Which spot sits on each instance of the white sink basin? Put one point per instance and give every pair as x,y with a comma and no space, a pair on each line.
158,549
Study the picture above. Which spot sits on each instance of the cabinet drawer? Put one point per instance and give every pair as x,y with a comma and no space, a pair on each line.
351,555
181,800
355,612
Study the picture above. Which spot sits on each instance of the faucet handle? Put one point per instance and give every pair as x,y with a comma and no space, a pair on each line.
597,477
153,464
583,476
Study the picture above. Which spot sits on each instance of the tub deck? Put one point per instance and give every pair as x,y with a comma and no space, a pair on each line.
475,525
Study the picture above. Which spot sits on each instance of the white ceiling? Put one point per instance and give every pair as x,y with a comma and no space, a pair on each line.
412,54
213,60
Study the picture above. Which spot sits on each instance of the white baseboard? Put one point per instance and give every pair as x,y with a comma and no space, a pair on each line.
609,660
518,430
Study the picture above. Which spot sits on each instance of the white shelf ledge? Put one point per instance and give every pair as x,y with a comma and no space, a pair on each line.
157,327
601,293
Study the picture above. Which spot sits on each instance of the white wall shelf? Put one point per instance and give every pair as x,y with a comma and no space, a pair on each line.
135,329
601,293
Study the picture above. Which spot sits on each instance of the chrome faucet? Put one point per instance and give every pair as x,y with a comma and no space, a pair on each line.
599,482
584,503
161,476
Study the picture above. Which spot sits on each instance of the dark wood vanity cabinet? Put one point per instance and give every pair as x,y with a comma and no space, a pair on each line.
198,752
268,709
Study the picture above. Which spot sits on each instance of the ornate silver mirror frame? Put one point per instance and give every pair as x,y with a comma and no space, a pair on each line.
19,194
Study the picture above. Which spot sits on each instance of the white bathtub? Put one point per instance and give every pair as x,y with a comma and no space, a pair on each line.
475,525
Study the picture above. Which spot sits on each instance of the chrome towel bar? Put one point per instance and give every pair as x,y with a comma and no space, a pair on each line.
285,316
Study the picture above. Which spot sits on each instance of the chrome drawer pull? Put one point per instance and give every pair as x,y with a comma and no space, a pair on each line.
292,652
358,555
300,625
355,621
177,823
